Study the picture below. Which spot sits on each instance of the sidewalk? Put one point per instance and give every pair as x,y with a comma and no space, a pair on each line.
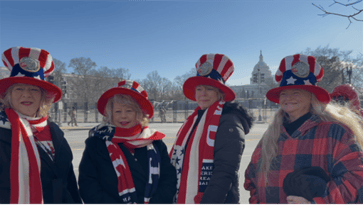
81,126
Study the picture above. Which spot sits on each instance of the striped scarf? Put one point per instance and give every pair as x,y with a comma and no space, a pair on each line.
25,165
135,137
194,164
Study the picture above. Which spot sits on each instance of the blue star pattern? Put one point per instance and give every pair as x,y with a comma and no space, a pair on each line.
177,160
4,121
103,131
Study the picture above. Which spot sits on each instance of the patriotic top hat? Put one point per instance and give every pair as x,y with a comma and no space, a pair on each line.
213,70
299,72
127,87
346,92
29,66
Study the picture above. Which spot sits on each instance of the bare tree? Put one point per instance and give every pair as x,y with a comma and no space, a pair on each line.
333,60
179,80
350,17
84,81
59,70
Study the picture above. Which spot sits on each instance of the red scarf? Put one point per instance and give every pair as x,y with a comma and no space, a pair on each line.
194,164
135,137
25,183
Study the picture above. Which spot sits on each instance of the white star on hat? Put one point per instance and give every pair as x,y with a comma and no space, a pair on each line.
307,82
291,80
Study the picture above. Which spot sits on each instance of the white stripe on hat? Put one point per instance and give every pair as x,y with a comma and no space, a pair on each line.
304,58
48,63
15,55
139,89
222,64
229,71
288,61
34,53
317,70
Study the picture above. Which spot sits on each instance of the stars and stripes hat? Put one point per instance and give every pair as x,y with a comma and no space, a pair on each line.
299,72
127,87
213,70
29,66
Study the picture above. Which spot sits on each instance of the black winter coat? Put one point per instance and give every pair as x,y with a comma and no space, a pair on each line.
98,181
59,183
234,123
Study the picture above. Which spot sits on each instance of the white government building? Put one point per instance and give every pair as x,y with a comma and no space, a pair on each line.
260,82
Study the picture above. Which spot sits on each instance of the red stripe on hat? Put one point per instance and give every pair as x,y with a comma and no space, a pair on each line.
43,56
9,57
144,93
296,59
282,68
320,76
24,52
311,62
122,83
135,85
217,61
202,60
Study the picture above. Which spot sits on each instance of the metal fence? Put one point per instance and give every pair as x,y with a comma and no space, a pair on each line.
177,112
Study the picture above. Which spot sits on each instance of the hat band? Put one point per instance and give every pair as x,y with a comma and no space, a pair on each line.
214,75
289,78
17,71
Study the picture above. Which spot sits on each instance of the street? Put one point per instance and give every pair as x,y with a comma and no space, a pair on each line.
76,140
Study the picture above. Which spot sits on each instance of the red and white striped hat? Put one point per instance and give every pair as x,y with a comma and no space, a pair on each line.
299,72
213,70
29,66
127,87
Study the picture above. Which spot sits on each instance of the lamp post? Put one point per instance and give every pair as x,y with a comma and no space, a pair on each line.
348,67
259,95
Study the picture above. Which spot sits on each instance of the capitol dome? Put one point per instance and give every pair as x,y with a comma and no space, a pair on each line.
260,68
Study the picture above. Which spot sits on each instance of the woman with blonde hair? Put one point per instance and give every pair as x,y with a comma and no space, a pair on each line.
124,160
35,158
311,152
209,146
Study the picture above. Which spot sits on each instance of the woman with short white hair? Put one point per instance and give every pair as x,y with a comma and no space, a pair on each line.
124,160
35,158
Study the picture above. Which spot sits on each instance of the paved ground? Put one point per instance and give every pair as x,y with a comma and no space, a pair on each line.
77,135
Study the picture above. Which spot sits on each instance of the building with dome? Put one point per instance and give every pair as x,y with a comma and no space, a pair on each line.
260,82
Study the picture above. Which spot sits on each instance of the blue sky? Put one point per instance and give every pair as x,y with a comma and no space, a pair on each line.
170,35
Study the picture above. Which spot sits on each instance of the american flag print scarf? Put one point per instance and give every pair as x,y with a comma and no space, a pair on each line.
25,164
194,163
135,137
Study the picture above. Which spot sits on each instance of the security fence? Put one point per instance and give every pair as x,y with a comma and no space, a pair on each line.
170,112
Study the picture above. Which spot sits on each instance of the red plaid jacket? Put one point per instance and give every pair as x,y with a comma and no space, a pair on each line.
328,145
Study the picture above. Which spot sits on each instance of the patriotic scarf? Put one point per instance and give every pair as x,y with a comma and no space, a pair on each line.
135,137
25,183
194,164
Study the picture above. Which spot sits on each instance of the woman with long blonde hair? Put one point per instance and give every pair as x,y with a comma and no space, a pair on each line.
311,152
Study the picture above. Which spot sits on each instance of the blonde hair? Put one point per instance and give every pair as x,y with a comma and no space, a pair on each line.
220,94
327,112
127,100
46,100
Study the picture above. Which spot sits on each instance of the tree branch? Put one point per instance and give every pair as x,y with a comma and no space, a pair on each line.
350,17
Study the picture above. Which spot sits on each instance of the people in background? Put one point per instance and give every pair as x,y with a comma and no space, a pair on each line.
35,158
73,115
209,146
124,160
311,152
